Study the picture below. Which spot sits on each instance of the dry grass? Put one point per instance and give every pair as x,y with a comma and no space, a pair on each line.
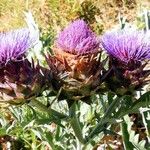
12,12
55,14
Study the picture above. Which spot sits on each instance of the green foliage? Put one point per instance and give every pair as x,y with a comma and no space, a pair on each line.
45,123
132,139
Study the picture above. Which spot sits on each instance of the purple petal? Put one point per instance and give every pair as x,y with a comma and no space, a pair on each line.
14,44
77,38
127,45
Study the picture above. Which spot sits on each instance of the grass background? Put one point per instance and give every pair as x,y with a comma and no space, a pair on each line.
55,14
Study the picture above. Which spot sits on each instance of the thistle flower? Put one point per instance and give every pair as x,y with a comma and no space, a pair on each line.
19,79
128,51
77,39
76,64
79,46
14,44
127,46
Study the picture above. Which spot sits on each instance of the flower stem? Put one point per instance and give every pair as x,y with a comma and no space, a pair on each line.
75,123
125,135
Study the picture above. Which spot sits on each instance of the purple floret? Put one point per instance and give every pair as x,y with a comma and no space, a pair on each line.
14,44
127,45
77,39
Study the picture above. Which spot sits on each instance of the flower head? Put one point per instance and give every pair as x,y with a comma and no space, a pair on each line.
75,66
127,46
14,44
77,39
128,49
20,80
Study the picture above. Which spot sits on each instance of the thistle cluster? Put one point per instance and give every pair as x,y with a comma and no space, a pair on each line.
77,69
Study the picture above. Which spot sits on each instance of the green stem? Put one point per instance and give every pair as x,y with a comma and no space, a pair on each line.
100,125
125,135
75,123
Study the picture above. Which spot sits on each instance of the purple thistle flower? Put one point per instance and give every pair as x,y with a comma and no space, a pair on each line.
127,45
78,39
14,44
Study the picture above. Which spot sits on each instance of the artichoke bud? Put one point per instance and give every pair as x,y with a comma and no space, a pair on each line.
76,64
20,80
129,52
20,83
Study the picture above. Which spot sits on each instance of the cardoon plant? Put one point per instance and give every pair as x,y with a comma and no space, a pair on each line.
76,68
19,79
75,65
129,52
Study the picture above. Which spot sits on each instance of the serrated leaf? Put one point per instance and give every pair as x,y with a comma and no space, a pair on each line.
142,143
132,107
143,101
133,137
37,133
136,139
125,104
30,124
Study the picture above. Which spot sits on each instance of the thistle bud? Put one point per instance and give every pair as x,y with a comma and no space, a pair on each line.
129,53
75,64
20,80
